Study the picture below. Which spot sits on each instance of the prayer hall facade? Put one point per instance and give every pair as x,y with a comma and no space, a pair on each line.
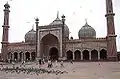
52,41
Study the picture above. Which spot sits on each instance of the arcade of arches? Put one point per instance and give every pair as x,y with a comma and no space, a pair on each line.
19,56
86,55
53,53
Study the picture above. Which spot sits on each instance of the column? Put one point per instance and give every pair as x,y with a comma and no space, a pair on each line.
24,56
18,55
61,47
73,56
89,55
12,56
81,56
21,56
98,55
38,45
30,56
8,56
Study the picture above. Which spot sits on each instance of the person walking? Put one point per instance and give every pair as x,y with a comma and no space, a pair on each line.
61,63
40,63
43,61
13,63
48,63
56,63
71,61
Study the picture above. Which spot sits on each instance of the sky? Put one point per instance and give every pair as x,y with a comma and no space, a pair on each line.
23,13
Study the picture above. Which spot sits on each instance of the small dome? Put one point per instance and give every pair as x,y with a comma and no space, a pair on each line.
30,36
57,21
87,32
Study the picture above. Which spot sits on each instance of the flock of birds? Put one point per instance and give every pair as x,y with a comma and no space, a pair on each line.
31,70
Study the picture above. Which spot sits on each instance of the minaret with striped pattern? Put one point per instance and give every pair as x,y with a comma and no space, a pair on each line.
5,32
111,37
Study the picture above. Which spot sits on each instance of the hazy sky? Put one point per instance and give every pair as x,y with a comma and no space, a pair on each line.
23,13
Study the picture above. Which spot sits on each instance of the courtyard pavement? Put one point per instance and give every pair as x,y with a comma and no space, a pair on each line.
77,70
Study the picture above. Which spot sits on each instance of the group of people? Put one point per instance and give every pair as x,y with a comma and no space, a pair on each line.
50,63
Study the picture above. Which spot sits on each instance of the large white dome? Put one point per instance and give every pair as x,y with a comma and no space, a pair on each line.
30,36
57,21
87,32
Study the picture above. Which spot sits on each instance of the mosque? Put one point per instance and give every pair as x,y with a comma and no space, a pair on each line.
53,41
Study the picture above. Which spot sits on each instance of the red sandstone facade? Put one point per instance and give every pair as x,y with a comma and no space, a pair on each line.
53,41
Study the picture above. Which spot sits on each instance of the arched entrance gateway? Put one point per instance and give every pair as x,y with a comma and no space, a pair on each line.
53,53
49,47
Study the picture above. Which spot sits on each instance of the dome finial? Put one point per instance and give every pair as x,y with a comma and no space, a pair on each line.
57,14
86,21
33,26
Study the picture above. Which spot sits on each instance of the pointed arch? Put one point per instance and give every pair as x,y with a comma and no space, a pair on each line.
69,55
85,55
33,56
27,54
103,54
21,56
94,55
15,55
47,41
118,56
77,55
9,55
53,53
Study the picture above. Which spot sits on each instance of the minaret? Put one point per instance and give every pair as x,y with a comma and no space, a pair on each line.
5,31
111,37
63,35
37,50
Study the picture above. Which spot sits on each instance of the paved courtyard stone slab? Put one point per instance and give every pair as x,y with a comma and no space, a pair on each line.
77,70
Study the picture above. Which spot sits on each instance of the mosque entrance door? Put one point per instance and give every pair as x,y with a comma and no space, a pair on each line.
47,42
53,53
